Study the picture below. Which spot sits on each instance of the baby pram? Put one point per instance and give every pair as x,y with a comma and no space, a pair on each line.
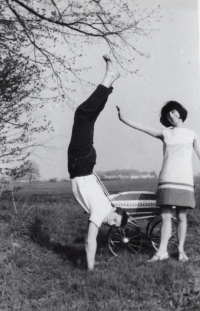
138,205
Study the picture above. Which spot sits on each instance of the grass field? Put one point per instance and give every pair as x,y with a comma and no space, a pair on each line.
43,267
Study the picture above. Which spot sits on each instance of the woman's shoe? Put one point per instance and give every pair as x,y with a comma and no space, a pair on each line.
182,257
159,258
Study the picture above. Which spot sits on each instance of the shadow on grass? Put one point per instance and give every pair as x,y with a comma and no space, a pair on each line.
73,253
74,250
148,249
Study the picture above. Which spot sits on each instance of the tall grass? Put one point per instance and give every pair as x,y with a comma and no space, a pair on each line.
43,267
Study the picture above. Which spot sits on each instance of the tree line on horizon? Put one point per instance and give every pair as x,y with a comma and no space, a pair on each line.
126,172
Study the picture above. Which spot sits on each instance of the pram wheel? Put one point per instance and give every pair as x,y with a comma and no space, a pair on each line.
151,223
155,235
123,239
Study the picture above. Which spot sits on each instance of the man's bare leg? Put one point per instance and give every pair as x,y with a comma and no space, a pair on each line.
112,72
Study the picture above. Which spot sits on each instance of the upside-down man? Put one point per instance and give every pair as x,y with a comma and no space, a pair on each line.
81,161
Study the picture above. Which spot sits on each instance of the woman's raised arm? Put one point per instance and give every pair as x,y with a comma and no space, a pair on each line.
157,133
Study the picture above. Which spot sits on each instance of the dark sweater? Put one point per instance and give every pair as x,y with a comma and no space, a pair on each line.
81,153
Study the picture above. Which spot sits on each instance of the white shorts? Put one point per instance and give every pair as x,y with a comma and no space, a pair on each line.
91,197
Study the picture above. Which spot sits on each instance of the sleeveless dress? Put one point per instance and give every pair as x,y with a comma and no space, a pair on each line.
176,182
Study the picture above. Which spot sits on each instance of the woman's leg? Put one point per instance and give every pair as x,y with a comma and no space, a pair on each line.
182,229
166,229
165,234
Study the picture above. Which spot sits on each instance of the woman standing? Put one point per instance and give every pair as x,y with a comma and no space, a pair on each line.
176,184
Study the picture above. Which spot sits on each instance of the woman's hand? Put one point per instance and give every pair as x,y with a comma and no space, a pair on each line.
157,133
119,113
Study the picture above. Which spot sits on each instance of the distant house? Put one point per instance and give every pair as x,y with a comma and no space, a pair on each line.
152,176
134,177
146,175
124,177
111,177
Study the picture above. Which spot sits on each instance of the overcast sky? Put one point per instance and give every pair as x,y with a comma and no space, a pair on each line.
171,73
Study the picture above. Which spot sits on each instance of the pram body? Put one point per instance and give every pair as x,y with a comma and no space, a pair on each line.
138,205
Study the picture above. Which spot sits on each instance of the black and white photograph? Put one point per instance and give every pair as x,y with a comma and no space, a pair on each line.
100,155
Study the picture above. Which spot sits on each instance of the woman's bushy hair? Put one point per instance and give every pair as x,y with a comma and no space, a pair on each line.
169,106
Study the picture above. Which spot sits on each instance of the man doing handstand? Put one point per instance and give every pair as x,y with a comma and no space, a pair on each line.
81,161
